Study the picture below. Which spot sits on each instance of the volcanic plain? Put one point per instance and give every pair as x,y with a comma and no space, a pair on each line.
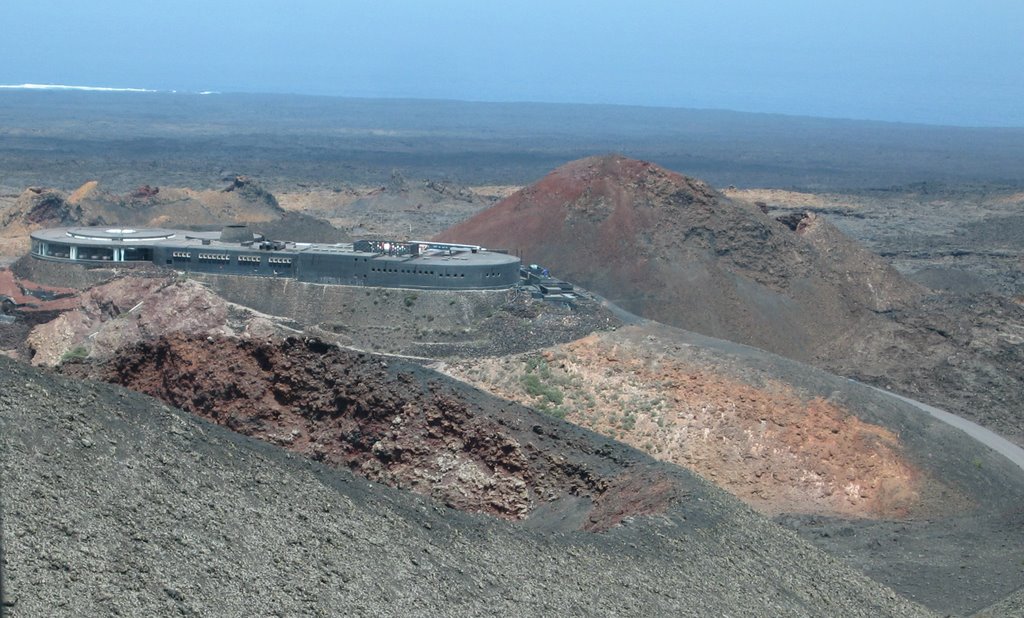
682,438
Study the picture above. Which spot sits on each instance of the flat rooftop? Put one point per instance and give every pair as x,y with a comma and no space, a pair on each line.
430,252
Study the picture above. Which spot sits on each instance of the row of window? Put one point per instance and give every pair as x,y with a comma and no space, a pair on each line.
428,272
226,257
412,271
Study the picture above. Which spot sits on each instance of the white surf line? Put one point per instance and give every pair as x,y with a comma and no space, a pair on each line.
66,87
987,437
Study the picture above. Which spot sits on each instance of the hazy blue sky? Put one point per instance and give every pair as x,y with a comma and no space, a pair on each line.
935,61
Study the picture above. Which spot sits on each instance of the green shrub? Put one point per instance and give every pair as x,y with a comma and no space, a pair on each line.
536,388
75,353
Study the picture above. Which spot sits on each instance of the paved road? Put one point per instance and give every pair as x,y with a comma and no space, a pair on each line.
989,438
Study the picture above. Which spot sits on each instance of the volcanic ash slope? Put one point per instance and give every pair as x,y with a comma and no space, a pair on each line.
114,504
673,249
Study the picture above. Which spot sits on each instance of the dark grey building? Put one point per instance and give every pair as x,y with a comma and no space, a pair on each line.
236,251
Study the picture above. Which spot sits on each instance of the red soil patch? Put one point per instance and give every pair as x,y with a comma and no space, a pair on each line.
400,425
672,249
29,296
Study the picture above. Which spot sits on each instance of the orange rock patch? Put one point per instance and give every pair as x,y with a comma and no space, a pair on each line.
775,449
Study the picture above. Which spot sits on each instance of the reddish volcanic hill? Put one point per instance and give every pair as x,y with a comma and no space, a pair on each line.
673,249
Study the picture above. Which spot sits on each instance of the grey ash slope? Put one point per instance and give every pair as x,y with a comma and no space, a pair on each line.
115,504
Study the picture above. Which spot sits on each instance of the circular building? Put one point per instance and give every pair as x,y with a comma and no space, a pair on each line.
237,251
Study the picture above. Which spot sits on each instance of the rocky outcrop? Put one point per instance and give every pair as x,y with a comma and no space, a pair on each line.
388,421
36,208
252,191
144,192
104,318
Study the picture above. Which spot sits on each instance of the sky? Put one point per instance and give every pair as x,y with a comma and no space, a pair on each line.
934,62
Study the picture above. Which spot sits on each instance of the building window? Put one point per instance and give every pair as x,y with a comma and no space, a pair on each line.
95,253
58,250
138,254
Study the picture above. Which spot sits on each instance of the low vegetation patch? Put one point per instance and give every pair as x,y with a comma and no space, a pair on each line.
544,387
75,353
